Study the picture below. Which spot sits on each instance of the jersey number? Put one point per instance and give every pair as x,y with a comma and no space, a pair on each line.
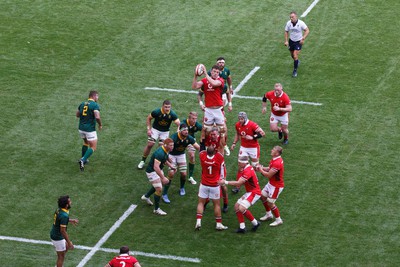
209,170
85,108
122,263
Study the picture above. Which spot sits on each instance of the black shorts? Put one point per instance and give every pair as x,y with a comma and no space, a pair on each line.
294,45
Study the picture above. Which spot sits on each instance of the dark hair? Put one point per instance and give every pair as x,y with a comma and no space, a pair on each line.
166,102
220,58
63,201
93,93
182,126
215,67
124,250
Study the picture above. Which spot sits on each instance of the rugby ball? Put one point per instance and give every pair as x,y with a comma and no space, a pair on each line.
199,69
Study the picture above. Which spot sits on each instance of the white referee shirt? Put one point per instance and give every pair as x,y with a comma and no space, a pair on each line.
295,32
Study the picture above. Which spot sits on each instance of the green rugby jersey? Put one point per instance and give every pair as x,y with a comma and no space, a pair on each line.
180,144
87,120
197,127
161,155
162,121
61,217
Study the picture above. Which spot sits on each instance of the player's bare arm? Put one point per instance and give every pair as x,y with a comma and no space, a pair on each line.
63,230
229,98
286,43
177,123
98,119
74,221
305,34
235,140
264,107
229,80
214,83
260,131
267,172
288,108
159,172
148,124
196,146
196,84
200,100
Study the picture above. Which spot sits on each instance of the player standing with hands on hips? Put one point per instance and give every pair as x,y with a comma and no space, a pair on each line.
294,38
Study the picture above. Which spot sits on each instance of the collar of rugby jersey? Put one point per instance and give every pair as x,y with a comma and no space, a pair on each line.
65,210
163,112
165,150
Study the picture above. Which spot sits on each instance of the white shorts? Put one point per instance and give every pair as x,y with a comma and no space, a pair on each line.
156,134
282,119
178,161
211,192
190,148
251,152
154,179
214,115
248,199
60,245
271,192
90,136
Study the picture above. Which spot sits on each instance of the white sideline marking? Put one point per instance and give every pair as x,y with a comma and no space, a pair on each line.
171,90
114,251
309,8
238,96
154,255
244,81
292,101
107,235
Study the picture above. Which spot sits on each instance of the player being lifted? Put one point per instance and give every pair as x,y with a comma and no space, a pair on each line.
212,87
224,73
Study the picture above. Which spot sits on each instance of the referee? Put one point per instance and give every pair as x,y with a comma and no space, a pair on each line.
294,38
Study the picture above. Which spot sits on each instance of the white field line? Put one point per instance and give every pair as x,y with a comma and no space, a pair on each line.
244,81
109,250
107,235
292,101
309,8
238,96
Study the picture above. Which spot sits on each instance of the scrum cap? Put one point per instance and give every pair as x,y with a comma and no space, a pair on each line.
243,115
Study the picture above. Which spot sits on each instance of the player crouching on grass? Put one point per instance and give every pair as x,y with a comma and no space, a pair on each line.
156,176
247,176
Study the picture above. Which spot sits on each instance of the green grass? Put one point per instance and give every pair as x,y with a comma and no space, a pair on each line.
340,204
